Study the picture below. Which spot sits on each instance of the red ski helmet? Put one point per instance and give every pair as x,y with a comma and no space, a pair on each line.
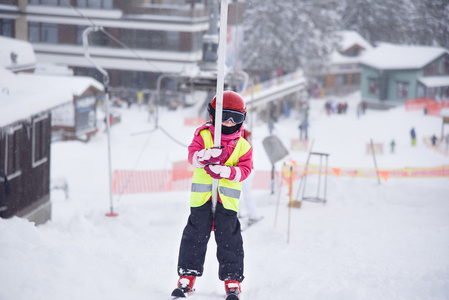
231,101
234,109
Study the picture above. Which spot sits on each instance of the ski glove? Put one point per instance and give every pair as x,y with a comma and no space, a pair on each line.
212,155
218,171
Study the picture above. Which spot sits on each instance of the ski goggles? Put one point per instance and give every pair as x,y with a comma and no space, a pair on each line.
235,116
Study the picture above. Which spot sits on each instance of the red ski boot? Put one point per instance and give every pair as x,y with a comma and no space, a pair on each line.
185,287
233,290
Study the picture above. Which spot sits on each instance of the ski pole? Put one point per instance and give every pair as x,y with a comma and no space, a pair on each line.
279,198
290,205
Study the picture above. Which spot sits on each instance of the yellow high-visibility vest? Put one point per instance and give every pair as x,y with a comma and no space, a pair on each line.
228,190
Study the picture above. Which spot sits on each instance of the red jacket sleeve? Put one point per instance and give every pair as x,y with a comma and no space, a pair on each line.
197,144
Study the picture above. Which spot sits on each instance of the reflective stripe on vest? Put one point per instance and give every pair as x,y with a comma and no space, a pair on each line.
233,193
201,188
228,190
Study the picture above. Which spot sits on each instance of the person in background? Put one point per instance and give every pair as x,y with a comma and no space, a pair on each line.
434,140
250,203
392,145
303,127
230,164
139,97
447,142
413,136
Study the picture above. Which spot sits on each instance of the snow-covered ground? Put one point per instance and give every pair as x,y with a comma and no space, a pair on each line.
370,241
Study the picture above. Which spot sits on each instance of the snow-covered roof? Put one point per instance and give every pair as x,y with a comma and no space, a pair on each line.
337,58
52,69
16,55
118,63
435,81
42,92
389,56
350,38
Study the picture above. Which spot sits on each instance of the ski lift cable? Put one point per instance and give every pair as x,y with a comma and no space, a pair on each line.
128,180
128,48
165,132
82,15
115,39
172,138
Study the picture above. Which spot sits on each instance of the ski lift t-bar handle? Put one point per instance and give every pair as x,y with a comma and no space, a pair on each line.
87,54
106,103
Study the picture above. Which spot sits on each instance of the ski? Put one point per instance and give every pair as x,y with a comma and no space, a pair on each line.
178,294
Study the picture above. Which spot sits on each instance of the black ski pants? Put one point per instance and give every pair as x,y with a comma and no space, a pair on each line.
228,237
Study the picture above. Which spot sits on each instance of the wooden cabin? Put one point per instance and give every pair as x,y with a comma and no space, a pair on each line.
77,120
343,73
25,159
27,102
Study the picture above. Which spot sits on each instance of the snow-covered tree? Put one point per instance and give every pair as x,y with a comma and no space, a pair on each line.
382,20
432,22
289,34
422,22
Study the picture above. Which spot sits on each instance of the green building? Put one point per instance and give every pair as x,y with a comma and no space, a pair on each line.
392,74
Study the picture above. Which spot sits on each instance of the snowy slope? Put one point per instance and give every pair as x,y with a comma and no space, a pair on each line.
369,241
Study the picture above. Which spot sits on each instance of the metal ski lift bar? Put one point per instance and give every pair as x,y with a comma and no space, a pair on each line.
220,90
106,102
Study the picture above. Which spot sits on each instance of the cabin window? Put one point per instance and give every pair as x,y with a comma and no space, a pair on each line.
340,80
431,69
402,89
40,142
373,86
13,147
420,91
446,66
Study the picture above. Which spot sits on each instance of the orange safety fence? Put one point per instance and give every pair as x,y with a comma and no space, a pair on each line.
194,121
385,173
415,104
437,148
435,108
432,106
153,181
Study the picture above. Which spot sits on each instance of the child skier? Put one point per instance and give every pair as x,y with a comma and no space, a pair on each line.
230,164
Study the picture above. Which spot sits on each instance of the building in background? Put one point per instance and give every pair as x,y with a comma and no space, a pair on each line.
164,37
392,74
343,75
